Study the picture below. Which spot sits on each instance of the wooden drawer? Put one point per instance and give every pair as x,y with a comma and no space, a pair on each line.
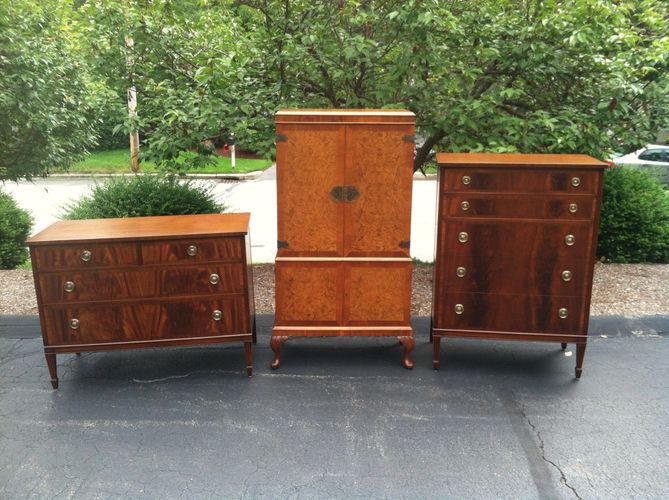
567,207
202,250
342,293
532,242
99,285
519,181
508,312
84,256
509,274
146,321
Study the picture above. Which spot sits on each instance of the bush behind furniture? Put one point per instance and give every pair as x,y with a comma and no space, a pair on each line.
144,195
15,225
634,224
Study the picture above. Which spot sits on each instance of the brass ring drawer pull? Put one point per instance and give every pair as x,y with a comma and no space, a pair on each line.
464,206
69,286
459,308
569,240
86,256
466,180
460,272
575,181
566,275
573,208
74,323
463,237
563,312
214,279
217,315
191,250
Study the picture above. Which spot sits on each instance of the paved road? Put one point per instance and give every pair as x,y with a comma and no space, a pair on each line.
45,199
340,419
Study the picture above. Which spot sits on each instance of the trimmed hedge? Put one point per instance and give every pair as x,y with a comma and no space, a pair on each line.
144,195
634,224
15,226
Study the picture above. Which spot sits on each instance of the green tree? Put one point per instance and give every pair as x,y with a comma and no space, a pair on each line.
46,98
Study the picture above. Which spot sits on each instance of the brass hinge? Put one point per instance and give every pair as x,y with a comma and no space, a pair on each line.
281,138
345,194
409,138
281,244
405,244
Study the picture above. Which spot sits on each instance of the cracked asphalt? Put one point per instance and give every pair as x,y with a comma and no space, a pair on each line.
340,419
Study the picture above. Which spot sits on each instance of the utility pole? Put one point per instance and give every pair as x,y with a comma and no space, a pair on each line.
132,105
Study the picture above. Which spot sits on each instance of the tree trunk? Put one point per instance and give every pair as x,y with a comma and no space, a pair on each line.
423,152
132,107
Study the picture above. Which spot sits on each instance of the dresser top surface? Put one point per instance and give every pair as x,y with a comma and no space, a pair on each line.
132,228
345,116
447,160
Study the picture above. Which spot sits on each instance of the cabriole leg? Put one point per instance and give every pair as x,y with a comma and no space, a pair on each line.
408,343
53,370
276,344
580,354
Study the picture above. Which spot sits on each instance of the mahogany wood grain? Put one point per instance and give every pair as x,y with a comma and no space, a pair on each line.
515,251
140,287
344,180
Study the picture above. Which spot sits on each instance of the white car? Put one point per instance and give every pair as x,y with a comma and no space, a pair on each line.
653,157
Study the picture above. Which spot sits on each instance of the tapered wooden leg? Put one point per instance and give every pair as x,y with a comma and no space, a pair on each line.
255,337
580,354
563,345
248,355
436,351
275,344
408,343
53,370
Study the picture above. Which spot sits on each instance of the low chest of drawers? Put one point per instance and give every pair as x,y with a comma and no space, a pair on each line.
113,284
516,242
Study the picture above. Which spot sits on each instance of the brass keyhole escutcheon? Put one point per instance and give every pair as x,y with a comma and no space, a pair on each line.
569,240
191,250
461,272
566,275
463,237
464,206
573,208
86,255
575,181
217,315
459,308
74,323
68,286
214,279
563,312
466,180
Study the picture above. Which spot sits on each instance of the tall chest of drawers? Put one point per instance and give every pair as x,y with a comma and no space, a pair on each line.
113,284
516,242
344,181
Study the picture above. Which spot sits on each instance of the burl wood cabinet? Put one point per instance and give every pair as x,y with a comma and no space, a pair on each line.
516,242
344,180
113,284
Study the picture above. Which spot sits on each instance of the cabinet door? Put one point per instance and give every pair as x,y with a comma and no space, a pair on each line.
379,164
310,164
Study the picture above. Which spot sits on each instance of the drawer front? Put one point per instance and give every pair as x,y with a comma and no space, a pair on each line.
149,321
499,179
528,241
189,251
567,207
101,285
83,256
509,313
551,275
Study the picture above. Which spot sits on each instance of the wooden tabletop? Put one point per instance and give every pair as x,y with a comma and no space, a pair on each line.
518,160
160,227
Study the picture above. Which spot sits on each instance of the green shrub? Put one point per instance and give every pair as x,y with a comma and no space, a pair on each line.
634,224
15,225
143,195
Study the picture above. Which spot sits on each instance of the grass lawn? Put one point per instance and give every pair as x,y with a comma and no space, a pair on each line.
117,161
